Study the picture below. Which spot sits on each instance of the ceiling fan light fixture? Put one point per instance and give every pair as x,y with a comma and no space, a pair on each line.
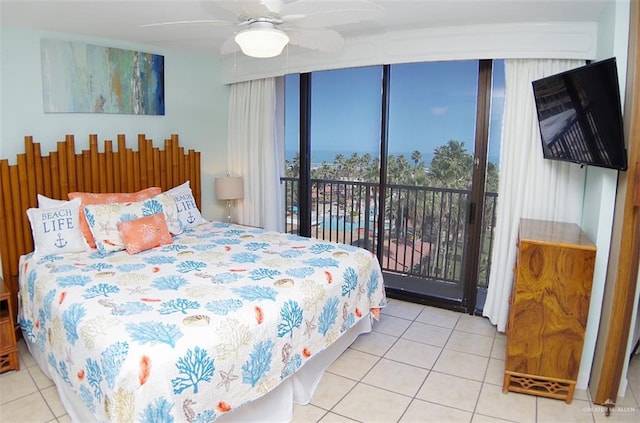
262,40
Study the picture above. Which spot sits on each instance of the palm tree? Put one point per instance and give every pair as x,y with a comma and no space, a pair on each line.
363,167
452,166
324,171
416,156
372,171
292,168
339,166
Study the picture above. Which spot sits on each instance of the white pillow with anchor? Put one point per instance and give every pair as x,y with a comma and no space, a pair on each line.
56,230
188,212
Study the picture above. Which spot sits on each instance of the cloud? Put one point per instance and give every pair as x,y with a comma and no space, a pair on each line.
438,111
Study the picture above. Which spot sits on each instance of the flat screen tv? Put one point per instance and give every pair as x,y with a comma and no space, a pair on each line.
580,117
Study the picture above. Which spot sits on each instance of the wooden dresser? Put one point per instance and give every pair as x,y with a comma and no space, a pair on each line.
548,308
8,349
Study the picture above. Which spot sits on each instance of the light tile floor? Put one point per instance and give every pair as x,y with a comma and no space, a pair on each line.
420,364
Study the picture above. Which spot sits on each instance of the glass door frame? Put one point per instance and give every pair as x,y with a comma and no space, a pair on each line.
475,206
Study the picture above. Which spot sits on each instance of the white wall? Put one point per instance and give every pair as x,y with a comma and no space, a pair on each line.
195,107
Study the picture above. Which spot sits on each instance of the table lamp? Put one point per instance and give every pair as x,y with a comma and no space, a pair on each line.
229,188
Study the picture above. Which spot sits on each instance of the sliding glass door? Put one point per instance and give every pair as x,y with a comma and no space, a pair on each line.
397,162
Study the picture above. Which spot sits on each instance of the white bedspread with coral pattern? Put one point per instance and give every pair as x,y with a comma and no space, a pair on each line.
195,329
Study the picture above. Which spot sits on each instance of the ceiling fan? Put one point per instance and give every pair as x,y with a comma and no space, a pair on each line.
264,27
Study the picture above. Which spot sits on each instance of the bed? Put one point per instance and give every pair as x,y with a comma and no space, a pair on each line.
225,322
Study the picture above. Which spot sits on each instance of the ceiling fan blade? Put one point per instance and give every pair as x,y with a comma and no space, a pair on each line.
244,9
292,18
317,14
326,40
274,6
190,22
336,17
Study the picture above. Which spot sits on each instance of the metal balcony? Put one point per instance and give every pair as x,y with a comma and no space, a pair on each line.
424,228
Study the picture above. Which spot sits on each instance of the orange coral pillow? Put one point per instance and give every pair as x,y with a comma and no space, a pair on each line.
107,198
144,233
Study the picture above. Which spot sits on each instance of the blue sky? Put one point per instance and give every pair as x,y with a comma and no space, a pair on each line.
430,103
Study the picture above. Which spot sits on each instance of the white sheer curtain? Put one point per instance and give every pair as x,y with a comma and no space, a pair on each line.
530,186
256,152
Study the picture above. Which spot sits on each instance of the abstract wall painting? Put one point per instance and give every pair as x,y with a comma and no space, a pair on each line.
83,78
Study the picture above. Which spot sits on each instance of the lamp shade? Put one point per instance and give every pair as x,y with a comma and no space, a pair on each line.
262,40
229,188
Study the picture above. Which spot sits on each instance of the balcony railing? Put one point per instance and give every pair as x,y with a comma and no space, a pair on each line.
425,229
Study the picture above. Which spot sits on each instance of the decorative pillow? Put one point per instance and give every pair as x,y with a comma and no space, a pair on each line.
188,212
107,198
103,219
56,230
144,233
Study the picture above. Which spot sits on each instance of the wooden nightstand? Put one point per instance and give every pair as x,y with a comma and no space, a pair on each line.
8,348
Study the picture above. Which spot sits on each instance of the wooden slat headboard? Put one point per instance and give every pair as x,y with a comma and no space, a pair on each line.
64,171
